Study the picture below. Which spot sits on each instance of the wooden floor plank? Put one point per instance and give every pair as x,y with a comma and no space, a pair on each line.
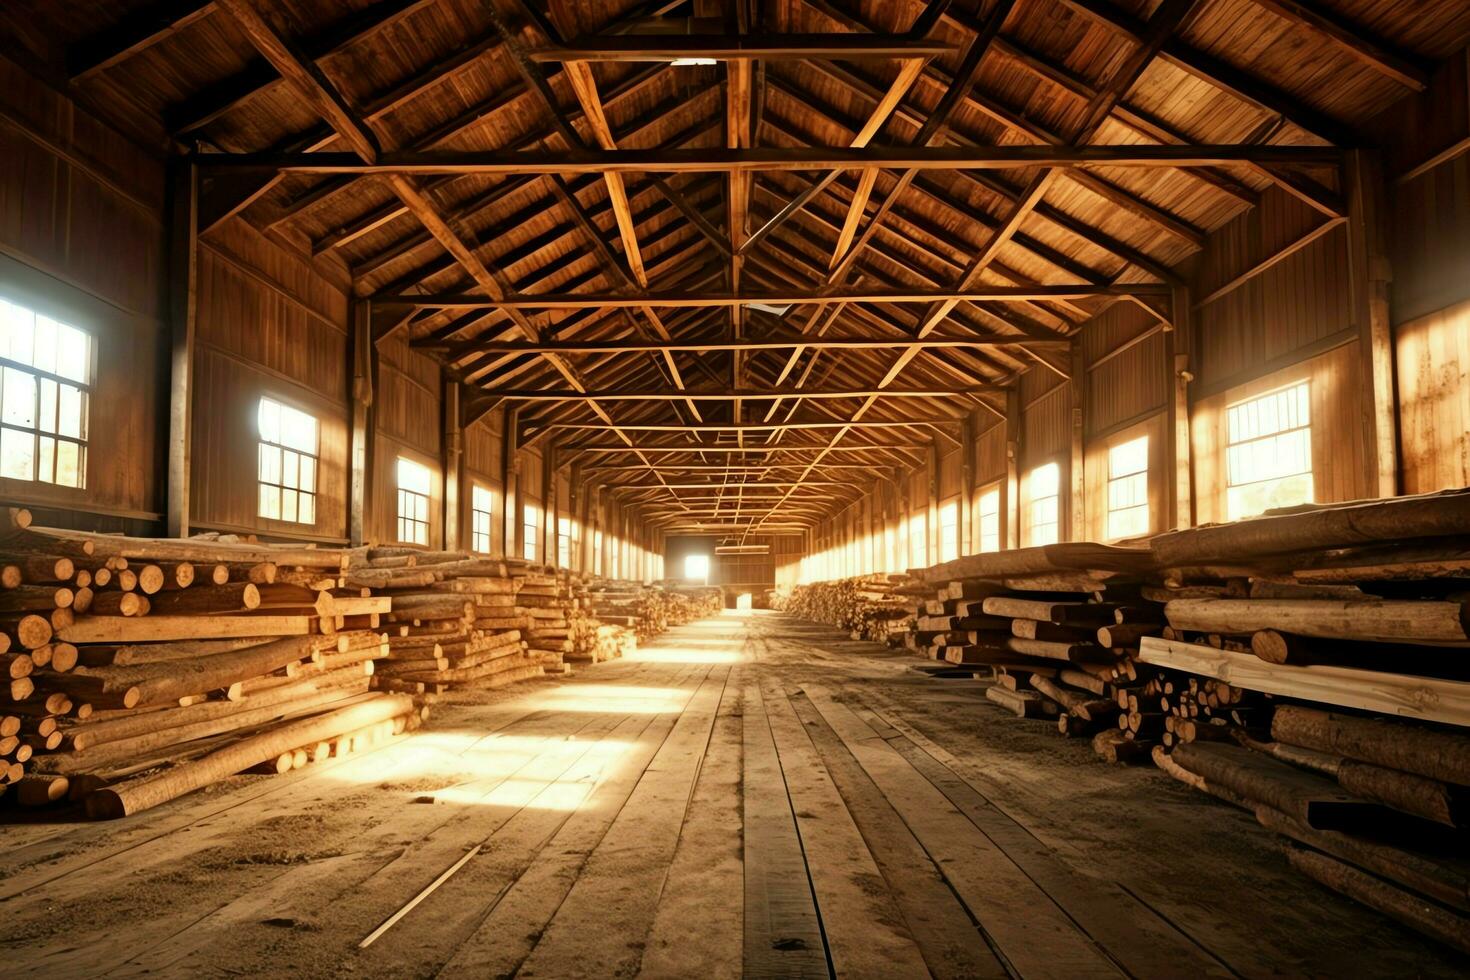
948,938
783,935
602,926
705,879
1144,943
866,935
1027,928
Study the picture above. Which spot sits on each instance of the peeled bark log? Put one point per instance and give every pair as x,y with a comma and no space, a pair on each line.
1426,917
1377,620
134,796
207,599
1440,755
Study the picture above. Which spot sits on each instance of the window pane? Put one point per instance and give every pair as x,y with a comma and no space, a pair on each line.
480,498
270,464
44,353
307,480
288,468
19,398
1129,457
17,455
306,509
288,505
21,337
72,412
15,322
72,354
47,421
412,476
270,420
270,502
47,463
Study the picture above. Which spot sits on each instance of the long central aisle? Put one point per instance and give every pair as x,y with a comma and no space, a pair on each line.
749,795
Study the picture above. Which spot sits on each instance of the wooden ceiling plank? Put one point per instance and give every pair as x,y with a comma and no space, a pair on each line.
134,34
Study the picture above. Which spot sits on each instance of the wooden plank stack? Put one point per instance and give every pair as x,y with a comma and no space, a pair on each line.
867,607
155,667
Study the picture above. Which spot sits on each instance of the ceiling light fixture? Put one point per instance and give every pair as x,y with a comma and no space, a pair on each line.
689,62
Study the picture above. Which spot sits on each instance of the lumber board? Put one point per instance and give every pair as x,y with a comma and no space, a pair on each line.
1401,695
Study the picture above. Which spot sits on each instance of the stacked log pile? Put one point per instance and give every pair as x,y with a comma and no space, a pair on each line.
1352,620
867,607
650,610
140,670
458,621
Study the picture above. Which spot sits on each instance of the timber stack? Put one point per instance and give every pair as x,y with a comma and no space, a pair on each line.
651,610
866,607
1352,621
458,621
140,669
546,600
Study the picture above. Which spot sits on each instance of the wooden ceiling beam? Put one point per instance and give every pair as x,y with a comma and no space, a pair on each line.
754,426
634,346
1403,68
810,296
756,159
671,48
751,394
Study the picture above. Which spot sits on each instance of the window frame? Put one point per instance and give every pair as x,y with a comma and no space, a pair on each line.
531,516
1130,478
992,490
38,378
949,531
1033,501
408,495
476,513
1304,403
264,445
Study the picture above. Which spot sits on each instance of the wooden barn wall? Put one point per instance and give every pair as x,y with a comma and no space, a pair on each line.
1282,314
82,240
407,411
267,326
990,454
1430,295
482,462
1127,377
787,550
1339,441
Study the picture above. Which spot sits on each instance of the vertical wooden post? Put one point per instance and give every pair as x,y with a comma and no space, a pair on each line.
510,469
931,523
1179,480
183,258
453,465
549,552
364,360
1013,467
1371,274
1077,498
575,506
967,543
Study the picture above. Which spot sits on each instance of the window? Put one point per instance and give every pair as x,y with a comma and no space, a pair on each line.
287,464
918,540
696,568
413,502
1269,452
564,542
1128,489
597,552
530,530
988,519
45,387
1042,511
949,531
481,504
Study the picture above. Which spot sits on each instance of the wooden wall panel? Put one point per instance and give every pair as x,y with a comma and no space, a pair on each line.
1127,377
1294,304
77,200
1434,400
1431,241
1096,467
990,454
223,480
407,409
268,325
949,474
1338,439
81,240
1046,428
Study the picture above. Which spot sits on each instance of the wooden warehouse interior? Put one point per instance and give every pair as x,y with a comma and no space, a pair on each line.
506,488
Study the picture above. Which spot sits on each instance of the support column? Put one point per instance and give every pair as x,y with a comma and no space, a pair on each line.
364,375
1013,467
967,544
1371,274
1077,498
510,470
453,465
1180,471
183,257
575,507
931,523
548,506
